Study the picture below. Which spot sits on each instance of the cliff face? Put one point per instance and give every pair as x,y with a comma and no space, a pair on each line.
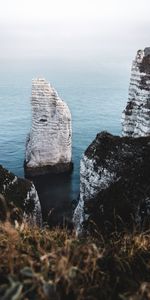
48,147
19,198
136,116
115,180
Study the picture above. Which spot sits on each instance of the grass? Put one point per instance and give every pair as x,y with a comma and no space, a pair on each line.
54,264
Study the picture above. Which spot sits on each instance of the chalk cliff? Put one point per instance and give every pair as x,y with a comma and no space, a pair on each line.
136,116
115,180
48,148
19,198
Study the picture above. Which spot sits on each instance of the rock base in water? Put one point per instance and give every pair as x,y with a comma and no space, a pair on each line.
56,169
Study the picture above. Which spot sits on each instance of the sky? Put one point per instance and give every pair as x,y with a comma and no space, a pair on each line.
73,31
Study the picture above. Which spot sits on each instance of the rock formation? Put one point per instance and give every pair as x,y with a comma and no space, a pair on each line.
115,181
19,198
48,148
136,116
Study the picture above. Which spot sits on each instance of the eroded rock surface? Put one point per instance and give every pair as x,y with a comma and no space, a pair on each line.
136,116
48,148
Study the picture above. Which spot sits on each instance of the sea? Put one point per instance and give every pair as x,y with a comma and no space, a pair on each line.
96,98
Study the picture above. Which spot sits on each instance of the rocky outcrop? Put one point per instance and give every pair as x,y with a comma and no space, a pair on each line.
136,116
18,198
48,148
114,181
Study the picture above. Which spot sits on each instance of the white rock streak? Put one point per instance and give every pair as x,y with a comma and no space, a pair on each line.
49,142
36,217
136,116
91,182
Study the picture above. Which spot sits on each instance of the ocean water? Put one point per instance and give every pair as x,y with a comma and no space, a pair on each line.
96,100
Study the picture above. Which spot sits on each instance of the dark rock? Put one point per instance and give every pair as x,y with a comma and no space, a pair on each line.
57,169
18,198
115,184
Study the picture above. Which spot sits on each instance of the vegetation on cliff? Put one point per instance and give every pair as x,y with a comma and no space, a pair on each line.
54,264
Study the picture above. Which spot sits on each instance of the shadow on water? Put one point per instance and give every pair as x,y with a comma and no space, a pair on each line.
55,194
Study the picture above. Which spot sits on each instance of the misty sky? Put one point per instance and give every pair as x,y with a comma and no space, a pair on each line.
73,30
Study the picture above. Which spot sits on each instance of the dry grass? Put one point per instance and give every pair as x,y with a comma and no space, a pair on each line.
54,264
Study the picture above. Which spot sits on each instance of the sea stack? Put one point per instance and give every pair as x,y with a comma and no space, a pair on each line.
136,116
48,148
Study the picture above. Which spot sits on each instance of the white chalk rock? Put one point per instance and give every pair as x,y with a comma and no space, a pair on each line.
48,148
136,116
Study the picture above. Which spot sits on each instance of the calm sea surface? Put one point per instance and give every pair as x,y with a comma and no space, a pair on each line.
96,101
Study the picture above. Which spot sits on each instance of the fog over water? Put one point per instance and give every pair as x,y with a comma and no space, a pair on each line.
85,49
72,32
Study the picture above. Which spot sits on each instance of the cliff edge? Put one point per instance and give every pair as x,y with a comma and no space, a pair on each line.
136,116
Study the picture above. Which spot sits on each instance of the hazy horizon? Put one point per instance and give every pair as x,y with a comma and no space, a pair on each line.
72,33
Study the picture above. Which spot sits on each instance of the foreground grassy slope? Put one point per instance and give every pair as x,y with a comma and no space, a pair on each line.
54,264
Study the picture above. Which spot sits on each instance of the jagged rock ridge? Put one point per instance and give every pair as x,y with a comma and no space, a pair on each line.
115,179
19,194
136,116
48,146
